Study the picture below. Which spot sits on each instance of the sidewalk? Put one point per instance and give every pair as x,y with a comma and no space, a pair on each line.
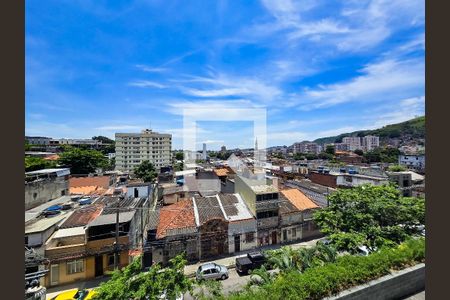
53,291
229,261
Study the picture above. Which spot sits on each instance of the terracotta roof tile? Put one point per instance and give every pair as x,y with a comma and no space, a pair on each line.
82,216
102,181
299,199
175,216
87,190
221,172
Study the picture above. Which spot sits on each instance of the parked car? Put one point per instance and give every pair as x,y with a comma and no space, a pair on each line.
75,294
211,271
253,260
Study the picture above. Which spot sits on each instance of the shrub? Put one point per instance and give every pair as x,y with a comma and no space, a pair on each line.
331,278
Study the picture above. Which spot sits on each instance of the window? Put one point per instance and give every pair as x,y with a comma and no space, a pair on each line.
26,241
249,237
294,232
110,260
75,266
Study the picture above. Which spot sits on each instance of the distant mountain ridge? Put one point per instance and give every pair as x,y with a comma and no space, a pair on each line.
411,129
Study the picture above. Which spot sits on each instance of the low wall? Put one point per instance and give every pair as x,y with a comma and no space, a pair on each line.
393,286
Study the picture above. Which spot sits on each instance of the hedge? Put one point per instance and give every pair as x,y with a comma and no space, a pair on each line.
330,279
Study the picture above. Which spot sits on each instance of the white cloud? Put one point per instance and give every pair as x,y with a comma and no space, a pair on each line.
147,84
385,80
149,69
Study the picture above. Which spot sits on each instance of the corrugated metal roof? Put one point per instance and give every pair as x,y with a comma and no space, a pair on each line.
208,208
111,218
43,224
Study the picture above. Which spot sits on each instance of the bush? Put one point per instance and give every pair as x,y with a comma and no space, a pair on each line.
347,271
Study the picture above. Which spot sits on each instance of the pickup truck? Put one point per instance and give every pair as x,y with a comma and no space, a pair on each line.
252,261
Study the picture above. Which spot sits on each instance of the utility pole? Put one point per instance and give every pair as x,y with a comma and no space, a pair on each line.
116,243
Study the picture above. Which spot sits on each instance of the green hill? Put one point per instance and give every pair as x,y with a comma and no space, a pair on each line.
411,129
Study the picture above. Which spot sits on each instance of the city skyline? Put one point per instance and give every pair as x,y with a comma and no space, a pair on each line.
319,69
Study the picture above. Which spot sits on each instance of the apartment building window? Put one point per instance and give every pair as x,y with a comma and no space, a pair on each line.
75,266
249,237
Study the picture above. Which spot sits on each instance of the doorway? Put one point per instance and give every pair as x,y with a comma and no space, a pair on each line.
284,235
237,243
274,237
99,265
54,274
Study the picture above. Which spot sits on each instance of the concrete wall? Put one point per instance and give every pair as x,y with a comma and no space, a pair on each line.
323,179
394,286
39,192
143,191
246,193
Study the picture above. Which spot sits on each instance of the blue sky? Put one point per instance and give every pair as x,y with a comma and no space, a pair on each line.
320,68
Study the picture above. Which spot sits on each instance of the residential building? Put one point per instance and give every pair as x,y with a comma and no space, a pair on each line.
134,148
335,179
37,231
139,190
204,155
44,185
352,142
296,216
241,223
90,185
348,157
307,147
340,147
38,140
416,162
176,232
212,226
262,199
409,183
223,149
370,142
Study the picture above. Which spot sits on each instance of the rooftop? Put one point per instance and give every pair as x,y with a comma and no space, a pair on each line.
87,190
82,216
111,218
42,224
100,181
176,216
298,199
234,207
58,171
221,172
208,208
68,232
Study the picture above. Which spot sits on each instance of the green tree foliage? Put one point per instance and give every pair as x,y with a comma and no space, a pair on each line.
37,163
359,152
369,215
330,149
132,283
146,171
387,155
325,155
179,156
331,278
82,161
299,156
103,139
208,289
397,168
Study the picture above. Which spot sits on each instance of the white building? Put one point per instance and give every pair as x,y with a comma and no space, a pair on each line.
134,148
204,152
370,142
412,161
306,147
352,142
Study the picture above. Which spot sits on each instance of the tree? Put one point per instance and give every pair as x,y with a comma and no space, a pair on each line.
179,156
325,155
397,168
359,152
37,163
132,283
146,171
373,216
330,149
299,156
82,161
103,139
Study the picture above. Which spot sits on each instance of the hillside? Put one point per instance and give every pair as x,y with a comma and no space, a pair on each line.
411,129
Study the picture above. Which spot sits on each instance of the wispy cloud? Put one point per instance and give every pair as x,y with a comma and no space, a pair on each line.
147,84
149,69
387,79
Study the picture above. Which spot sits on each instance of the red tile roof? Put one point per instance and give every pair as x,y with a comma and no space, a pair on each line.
87,190
102,181
175,216
82,216
299,199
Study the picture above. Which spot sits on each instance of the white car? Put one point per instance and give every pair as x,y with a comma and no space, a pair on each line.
211,271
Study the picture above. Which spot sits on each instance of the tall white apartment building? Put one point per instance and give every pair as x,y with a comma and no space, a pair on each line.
133,148
370,142
307,147
353,142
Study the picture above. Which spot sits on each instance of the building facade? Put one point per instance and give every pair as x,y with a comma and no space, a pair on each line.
306,147
134,148
412,161
370,142
352,142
